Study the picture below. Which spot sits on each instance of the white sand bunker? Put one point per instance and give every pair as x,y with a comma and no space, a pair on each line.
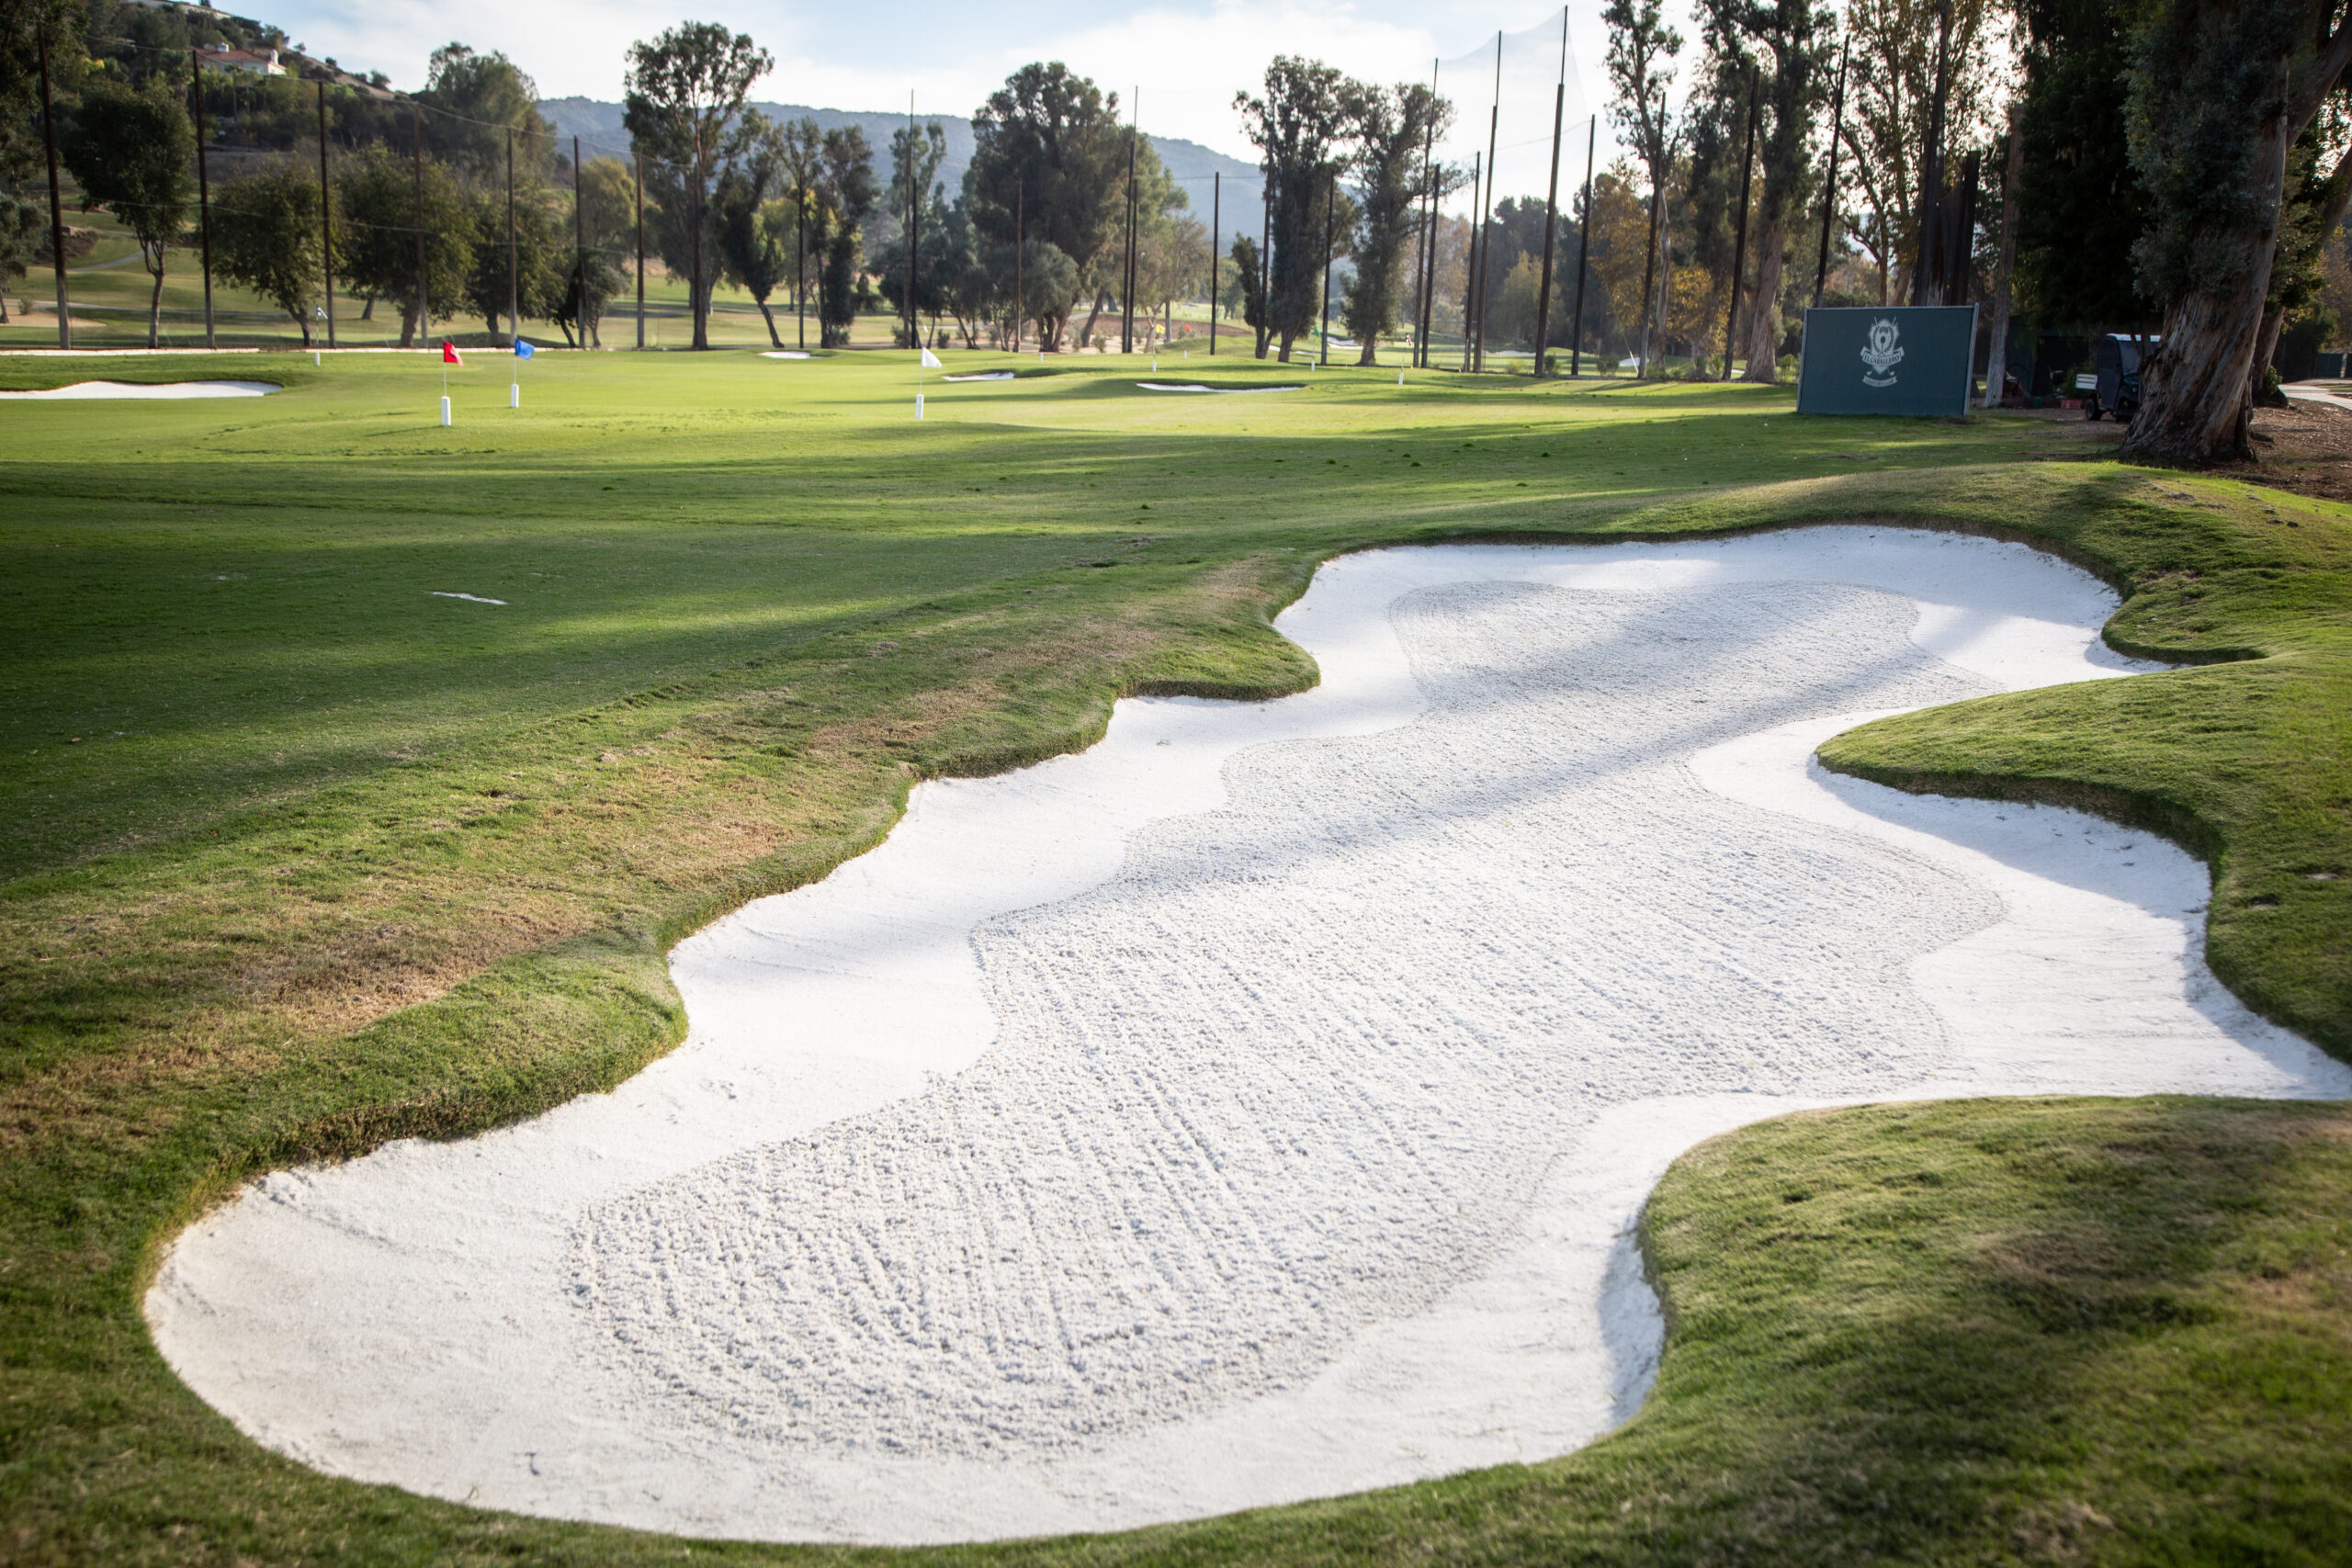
785,353
156,389
981,375
1256,1106
1196,387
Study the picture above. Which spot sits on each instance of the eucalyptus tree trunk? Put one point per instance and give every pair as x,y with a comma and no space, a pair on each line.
2195,404
1764,309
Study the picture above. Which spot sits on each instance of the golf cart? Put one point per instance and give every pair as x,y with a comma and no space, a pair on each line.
2113,386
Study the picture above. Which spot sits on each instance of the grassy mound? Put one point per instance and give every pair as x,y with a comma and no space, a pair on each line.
306,855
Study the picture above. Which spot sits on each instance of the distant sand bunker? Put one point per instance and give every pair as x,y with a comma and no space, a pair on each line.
1257,1106
157,389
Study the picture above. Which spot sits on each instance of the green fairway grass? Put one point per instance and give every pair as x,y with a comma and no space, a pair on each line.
303,855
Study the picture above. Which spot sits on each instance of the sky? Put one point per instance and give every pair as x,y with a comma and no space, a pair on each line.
1180,64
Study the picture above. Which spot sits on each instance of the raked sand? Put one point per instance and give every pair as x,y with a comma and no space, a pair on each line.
173,389
1256,1106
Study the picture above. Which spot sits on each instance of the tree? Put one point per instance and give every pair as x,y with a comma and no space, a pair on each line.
1640,46
683,107
750,248
1249,280
2219,96
2080,206
1302,128
265,236
376,242
842,196
1049,152
482,98
587,289
1393,132
1890,107
535,269
915,198
131,150
1788,34
1044,291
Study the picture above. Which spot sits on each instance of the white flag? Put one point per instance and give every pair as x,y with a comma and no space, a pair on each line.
930,360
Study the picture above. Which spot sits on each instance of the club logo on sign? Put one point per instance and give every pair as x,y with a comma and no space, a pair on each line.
1882,354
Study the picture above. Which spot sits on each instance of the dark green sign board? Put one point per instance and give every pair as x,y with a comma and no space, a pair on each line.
1899,359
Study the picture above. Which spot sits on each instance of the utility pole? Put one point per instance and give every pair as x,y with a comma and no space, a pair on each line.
1739,244
1551,212
1829,194
1217,207
579,246
1584,253
1487,241
56,209
203,189
1266,265
1020,200
694,283
326,215
424,292
913,204
640,258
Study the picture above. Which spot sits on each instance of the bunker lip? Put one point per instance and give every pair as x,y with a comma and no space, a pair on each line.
347,1316
92,390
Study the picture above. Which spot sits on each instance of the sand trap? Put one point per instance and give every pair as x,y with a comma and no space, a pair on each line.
981,375
470,598
158,389
785,353
1189,387
1254,1107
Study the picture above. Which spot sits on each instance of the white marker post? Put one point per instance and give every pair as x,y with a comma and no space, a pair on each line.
445,411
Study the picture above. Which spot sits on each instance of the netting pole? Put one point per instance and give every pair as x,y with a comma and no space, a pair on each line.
1266,265
1020,199
203,190
326,215
913,203
641,256
1485,212
1425,252
1584,253
1470,262
1739,244
56,209
1127,272
1551,212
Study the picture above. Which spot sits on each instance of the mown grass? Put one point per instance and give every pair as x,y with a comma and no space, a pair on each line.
302,856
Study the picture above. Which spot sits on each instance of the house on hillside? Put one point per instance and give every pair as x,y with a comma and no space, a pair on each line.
257,62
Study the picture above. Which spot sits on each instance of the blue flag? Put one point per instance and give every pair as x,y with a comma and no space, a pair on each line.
523,350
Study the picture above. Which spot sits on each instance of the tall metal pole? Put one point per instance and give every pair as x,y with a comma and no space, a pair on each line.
326,215
1739,244
801,266
1584,253
1020,300
640,258
424,292
203,190
1426,250
1331,231
1470,267
514,254
1829,194
701,338
1551,210
1486,240
56,209
1217,209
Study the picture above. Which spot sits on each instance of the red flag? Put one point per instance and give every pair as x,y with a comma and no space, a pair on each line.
449,353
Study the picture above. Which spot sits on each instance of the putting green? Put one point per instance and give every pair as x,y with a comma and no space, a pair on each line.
307,853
